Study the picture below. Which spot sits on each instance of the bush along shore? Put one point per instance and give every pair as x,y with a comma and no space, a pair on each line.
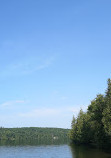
94,126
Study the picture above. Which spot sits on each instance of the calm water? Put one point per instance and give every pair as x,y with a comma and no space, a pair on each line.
50,151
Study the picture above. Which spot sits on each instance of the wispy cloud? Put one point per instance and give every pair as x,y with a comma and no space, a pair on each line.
40,112
11,103
51,112
64,98
37,117
27,66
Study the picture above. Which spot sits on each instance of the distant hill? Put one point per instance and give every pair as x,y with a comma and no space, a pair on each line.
33,135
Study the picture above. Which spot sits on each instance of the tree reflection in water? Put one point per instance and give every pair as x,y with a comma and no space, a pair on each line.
32,142
87,152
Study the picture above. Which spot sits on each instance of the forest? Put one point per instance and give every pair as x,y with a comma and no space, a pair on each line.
94,126
33,135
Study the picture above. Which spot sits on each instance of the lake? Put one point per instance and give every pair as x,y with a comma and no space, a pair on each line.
51,151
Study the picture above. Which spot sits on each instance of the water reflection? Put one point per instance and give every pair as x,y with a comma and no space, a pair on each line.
43,151
77,151
32,142
87,152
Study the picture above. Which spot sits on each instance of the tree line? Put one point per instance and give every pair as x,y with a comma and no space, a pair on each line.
94,126
33,135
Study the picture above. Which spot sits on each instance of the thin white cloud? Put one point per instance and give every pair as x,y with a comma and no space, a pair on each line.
50,112
40,112
27,66
11,103
20,101
64,98
39,117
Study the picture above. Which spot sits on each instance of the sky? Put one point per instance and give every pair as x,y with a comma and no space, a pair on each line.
55,57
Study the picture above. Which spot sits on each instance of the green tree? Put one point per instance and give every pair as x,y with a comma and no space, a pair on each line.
95,110
107,111
94,126
80,128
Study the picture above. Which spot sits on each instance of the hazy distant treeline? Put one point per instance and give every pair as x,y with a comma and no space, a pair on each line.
33,135
94,126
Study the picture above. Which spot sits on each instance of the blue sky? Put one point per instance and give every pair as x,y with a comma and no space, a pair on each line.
55,57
